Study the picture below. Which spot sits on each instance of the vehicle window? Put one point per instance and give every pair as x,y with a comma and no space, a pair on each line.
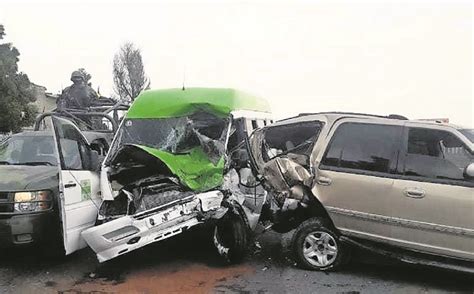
28,150
236,138
72,146
254,124
366,147
71,154
436,154
297,138
249,126
177,135
469,133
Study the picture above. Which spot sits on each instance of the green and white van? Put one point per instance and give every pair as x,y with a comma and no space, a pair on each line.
179,159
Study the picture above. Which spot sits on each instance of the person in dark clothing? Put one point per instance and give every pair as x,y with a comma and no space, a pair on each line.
77,96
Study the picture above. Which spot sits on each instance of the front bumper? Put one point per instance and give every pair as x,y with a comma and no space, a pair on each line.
129,233
25,228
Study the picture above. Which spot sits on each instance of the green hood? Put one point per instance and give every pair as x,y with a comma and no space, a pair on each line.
194,169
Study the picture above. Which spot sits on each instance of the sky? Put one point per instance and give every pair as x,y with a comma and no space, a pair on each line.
412,58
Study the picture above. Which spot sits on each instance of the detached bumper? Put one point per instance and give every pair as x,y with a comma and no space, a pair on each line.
129,233
26,228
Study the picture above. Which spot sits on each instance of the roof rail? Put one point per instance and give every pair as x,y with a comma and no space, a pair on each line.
390,116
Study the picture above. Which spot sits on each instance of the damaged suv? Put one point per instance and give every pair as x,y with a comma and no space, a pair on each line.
179,159
399,187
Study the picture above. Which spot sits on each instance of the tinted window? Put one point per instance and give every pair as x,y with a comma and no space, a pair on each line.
365,147
435,154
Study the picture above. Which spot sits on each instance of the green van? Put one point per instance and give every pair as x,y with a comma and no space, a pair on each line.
179,159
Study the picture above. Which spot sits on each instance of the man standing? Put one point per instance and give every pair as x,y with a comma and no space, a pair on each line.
77,96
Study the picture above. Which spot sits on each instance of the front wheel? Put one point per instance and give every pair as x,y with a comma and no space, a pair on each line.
317,247
231,238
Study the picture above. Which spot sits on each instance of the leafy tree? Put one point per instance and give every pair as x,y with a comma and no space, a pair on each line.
129,73
16,92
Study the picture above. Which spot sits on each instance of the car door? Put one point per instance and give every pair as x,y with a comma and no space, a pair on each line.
355,174
79,183
433,200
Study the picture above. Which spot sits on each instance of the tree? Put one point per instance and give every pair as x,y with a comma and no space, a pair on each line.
16,91
129,74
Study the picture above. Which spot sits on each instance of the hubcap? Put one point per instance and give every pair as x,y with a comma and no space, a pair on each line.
320,248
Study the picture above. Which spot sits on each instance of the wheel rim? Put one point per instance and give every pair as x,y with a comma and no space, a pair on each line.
320,249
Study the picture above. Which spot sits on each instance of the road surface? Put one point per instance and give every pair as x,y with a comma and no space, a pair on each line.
187,264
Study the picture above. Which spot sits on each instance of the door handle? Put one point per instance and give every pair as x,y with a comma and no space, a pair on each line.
323,181
414,193
70,185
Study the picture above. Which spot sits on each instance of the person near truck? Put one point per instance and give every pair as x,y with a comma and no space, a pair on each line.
77,96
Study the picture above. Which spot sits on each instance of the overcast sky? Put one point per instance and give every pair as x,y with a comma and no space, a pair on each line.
409,58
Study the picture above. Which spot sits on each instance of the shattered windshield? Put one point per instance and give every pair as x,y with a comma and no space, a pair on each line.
28,150
469,133
297,138
176,135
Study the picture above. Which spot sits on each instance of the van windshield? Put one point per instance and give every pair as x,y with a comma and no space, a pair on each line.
28,150
177,135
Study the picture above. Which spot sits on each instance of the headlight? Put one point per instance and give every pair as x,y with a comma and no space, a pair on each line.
32,201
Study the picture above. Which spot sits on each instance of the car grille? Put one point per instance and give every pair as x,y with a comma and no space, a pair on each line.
6,203
4,196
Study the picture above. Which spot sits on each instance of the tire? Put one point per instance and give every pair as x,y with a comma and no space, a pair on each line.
316,246
231,238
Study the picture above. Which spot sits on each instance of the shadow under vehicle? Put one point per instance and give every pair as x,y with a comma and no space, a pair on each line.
179,160
399,187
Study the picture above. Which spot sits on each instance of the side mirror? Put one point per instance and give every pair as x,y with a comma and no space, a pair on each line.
469,171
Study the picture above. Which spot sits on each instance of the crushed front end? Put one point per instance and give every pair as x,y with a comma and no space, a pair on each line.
281,155
164,176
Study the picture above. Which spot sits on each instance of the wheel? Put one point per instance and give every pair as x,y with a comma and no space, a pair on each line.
231,238
316,246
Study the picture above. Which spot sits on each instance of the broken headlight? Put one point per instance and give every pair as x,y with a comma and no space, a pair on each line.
32,201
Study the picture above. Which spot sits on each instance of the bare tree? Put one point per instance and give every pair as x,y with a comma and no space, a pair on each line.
129,74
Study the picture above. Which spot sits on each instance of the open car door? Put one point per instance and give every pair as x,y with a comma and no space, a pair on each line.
78,185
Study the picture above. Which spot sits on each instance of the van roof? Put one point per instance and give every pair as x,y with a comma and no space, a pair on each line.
165,103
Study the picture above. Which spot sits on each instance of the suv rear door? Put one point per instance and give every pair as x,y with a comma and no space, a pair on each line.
354,179
433,205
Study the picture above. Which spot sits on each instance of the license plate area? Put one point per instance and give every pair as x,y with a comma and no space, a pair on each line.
171,213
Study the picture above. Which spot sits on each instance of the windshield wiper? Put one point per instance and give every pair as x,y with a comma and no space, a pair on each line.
35,163
5,162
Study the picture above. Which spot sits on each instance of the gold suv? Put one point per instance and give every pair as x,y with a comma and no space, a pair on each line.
392,185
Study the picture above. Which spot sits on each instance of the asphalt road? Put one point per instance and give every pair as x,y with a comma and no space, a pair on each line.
187,264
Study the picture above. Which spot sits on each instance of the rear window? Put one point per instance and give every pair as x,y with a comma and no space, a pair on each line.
364,147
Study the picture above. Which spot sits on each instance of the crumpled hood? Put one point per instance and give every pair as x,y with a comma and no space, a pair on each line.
194,169
25,178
